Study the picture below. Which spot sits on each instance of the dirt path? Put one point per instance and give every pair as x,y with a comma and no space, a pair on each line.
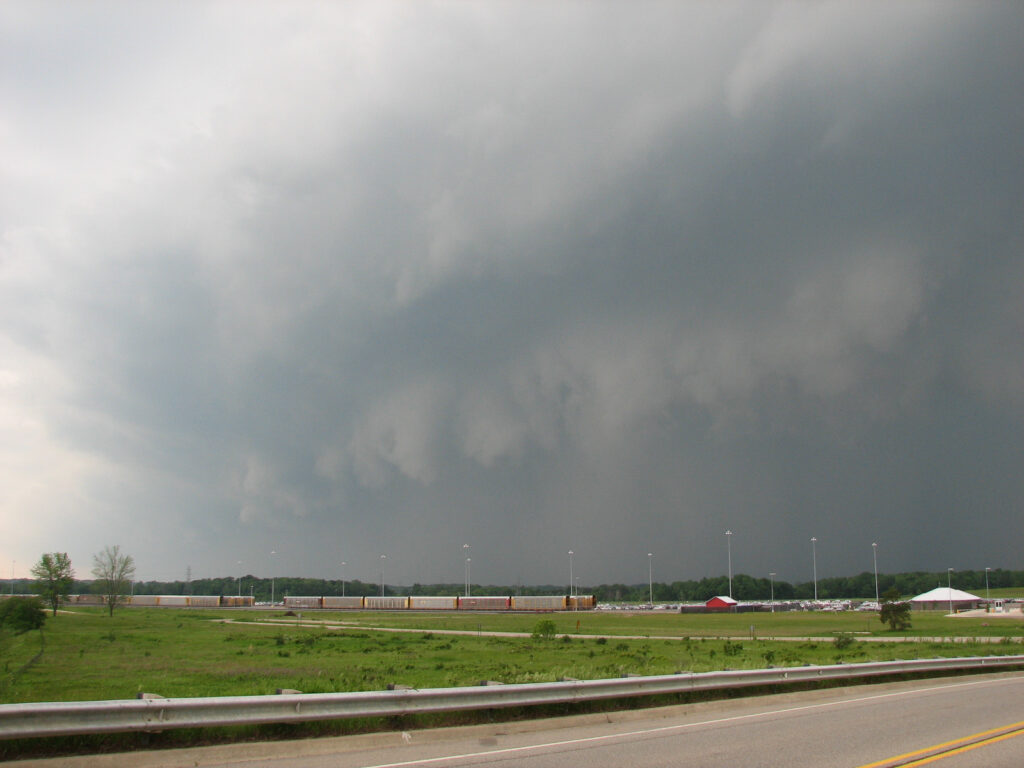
343,625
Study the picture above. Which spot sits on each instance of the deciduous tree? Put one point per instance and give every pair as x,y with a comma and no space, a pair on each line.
54,576
114,571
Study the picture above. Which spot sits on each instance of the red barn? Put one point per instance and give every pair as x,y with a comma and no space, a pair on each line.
721,603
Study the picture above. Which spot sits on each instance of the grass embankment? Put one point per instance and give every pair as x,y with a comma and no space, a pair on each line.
185,653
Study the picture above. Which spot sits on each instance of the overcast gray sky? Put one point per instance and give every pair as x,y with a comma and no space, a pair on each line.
339,280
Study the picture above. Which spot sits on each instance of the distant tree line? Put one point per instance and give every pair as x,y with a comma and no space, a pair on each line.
744,587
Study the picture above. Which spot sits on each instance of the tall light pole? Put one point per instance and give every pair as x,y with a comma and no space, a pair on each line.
814,564
239,578
728,549
469,574
272,577
570,573
465,571
650,576
343,564
12,577
771,577
949,587
987,597
874,555
382,559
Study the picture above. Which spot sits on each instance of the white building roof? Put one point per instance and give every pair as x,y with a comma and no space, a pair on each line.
944,595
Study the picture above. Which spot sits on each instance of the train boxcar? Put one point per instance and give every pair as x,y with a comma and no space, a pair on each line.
342,602
236,601
424,603
86,599
204,601
581,603
303,602
485,603
173,601
539,603
386,603
144,600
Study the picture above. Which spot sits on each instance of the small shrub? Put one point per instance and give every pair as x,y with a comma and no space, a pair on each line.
544,630
601,641
732,649
843,641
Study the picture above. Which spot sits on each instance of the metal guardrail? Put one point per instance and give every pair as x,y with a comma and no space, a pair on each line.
156,714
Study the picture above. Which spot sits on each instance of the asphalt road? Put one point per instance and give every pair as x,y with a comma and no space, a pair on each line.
976,718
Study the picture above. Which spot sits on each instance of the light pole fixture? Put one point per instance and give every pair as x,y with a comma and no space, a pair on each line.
343,564
272,578
874,555
465,571
728,549
771,578
987,597
570,573
382,559
949,587
814,564
650,576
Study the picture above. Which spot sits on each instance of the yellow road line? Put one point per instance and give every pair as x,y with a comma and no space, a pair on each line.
966,748
945,749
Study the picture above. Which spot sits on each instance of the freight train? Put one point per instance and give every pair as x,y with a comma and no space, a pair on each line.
430,603
368,603
170,601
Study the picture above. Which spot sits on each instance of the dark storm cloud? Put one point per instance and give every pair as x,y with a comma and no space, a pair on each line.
395,278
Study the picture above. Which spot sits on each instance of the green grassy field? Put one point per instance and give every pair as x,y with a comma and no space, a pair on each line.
89,656
672,624
1003,592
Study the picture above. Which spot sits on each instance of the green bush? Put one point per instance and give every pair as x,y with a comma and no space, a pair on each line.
544,630
894,612
21,614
